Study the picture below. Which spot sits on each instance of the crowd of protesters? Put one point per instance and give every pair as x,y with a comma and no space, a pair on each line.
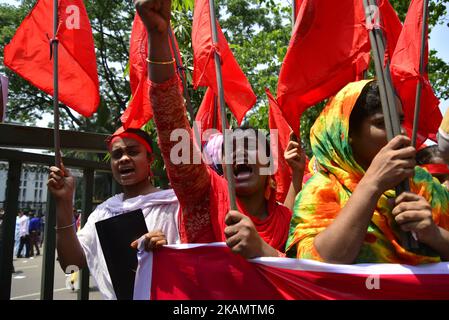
347,211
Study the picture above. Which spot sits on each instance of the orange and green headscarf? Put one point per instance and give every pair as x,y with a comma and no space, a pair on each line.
328,190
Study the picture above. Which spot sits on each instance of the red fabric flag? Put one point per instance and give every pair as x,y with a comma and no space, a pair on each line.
28,54
213,272
139,110
298,4
328,49
391,27
208,111
276,121
239,95
406,74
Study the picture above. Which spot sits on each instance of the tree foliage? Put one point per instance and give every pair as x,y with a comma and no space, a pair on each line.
258,32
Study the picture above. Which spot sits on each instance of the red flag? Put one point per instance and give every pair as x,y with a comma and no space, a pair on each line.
28,54
406,74
298,4
391,27
328,49
283,175
139,110
209,112
238,93
213,272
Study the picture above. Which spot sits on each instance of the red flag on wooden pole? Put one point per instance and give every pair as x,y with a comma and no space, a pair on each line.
139,110
238,93
328,49
283,174
28,54
405,72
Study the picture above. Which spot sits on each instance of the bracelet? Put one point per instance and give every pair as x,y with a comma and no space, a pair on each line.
161,62
65,227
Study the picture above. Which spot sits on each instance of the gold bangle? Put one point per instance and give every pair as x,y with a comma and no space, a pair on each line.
161,62
65,227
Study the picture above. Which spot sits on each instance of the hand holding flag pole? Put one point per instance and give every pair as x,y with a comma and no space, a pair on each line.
221,97
387,96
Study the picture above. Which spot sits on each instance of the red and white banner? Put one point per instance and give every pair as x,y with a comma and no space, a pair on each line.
212,271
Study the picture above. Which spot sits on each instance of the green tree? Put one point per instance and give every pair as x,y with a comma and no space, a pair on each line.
258,32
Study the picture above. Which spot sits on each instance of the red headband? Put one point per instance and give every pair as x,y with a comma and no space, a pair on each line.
133,136
436,168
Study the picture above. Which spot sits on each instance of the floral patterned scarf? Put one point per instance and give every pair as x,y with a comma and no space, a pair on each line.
327,192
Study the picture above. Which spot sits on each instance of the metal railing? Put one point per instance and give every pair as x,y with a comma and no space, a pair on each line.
13,136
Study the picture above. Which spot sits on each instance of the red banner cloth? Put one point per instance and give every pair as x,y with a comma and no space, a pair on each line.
276,121
213,272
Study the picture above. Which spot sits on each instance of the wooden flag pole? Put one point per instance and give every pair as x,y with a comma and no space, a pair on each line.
421,72
227,165
388,102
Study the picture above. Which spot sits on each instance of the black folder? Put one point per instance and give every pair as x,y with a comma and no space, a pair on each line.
116,235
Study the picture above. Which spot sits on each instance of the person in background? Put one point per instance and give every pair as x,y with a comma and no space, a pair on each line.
431,159
35,234
24,235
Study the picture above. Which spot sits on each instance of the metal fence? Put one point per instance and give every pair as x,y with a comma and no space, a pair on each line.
13,136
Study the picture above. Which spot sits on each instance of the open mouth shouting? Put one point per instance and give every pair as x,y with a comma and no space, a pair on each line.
126,172
242,171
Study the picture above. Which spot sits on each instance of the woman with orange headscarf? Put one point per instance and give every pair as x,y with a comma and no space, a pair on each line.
348,212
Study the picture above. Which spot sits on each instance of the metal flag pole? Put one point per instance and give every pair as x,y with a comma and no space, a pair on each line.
55,50
227,165
387,97
421,72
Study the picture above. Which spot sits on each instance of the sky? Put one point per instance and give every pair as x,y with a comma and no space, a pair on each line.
439,40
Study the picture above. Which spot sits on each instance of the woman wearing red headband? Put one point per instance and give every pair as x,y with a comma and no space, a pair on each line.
131,157
432,159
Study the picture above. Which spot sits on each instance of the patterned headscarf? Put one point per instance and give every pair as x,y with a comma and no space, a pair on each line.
328,191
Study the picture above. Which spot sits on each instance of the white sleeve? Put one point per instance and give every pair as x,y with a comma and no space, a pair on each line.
87,235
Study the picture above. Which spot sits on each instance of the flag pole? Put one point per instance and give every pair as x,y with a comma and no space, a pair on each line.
54,49
179,70
293,14
388,101
421,72
228,166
